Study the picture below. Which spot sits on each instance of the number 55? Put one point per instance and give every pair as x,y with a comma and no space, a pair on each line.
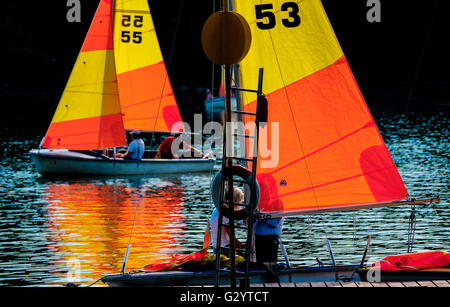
261,12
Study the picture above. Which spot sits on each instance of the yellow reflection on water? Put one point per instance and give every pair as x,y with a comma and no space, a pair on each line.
92,223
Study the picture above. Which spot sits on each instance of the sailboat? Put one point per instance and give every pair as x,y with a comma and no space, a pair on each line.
119,83
331,154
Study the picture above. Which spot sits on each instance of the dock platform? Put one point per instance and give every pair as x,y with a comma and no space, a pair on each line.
392,284
355,284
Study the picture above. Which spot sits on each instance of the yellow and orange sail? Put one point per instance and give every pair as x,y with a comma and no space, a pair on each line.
119,81
88,115
331,154
146,96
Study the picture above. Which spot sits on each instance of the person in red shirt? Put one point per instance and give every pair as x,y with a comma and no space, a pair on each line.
165,148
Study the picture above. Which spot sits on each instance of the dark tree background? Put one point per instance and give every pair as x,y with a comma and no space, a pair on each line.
401,63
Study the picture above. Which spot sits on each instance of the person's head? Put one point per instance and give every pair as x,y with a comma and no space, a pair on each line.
238,197
135,134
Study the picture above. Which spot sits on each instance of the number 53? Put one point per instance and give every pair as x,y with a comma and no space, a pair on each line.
265,10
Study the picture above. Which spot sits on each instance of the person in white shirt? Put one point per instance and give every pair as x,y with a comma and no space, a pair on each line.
135,149
238,197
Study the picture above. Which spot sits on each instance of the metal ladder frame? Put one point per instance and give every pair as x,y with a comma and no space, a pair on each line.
227,164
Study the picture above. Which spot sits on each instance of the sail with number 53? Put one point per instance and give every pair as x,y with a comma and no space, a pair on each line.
331,155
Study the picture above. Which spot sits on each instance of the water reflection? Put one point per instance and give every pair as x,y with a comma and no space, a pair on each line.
49,226
91,223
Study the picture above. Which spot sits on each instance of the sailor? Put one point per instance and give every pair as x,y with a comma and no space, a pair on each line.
135,149
165,148
238,197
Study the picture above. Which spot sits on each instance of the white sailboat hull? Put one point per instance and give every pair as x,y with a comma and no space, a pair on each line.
66,162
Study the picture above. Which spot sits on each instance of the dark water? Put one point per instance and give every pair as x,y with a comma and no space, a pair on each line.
50,229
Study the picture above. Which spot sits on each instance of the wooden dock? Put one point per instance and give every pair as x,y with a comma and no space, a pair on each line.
361,284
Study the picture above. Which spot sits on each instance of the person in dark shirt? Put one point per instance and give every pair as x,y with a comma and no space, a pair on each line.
267,239
135,149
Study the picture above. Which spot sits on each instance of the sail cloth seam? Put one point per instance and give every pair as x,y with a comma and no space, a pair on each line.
81,133
132,11
292,115
140,118
146,101
336,181
340,60
89,92
323,148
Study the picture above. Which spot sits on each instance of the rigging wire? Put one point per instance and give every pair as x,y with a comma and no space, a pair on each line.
422,54
212,113
169,62
412,219
411,229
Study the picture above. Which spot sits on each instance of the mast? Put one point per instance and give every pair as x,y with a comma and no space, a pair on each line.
226,39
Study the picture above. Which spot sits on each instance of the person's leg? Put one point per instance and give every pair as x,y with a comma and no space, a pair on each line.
266,254
266,248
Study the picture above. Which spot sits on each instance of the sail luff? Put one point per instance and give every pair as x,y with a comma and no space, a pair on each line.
146,96
329,152
88,115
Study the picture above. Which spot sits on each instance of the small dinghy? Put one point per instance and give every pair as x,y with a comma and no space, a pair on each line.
119,83
69,162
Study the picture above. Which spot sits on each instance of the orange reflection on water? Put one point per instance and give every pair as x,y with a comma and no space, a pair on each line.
92,222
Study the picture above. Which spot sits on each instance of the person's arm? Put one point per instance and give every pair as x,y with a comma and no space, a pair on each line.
193,149
130,150
124,155
237,243
127,155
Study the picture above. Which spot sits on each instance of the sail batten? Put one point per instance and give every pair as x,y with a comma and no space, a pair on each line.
331,154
